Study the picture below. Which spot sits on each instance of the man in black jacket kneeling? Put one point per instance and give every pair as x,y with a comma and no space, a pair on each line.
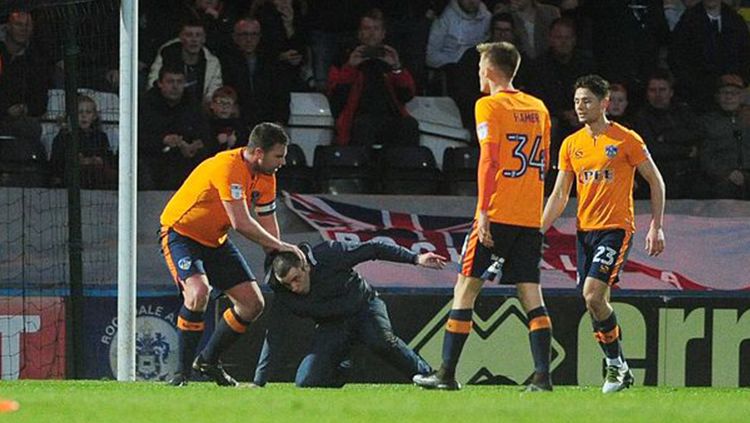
345,308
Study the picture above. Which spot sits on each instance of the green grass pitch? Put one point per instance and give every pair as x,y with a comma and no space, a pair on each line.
111,402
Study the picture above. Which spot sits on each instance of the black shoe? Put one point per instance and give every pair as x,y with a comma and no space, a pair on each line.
433,381
539,383
214,371
179,380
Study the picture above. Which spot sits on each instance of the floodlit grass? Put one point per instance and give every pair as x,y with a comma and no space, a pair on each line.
111,402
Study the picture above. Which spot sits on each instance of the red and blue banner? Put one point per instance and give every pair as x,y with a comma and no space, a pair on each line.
703,253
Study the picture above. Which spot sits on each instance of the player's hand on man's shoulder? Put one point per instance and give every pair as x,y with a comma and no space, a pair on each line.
431,260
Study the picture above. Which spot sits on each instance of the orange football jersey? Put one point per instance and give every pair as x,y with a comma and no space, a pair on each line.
196,210
604,167
514,128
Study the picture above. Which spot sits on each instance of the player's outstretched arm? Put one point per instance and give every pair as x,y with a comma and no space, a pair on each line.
655,241
558,199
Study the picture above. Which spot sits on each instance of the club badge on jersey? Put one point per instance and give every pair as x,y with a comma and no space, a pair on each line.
236,190
482,130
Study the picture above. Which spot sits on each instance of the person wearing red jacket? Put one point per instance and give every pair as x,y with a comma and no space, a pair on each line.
368,91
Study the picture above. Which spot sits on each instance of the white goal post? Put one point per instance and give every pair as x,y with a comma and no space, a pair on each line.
127,194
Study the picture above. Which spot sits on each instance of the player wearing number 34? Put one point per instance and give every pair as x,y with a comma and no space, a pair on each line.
514,135
602,158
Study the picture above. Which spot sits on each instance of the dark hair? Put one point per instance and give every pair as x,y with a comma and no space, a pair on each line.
246,18
190,22
502,17
172,68
282,263
661,74
225,91
564,21
267,134
375,14
594,83
503,55
618,87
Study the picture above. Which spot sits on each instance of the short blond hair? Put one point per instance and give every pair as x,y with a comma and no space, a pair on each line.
503,56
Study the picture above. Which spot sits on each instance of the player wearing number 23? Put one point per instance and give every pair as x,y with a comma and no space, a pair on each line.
514,135
602,158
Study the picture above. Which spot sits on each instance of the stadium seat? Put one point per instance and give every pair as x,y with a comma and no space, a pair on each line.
460,171
440,124
310,121
20,165
345,169
296,176
49,132
409,170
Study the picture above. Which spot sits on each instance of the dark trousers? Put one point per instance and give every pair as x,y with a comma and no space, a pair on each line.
371,129
332,343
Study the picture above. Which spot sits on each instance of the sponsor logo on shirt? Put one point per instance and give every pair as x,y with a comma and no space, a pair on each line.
597,175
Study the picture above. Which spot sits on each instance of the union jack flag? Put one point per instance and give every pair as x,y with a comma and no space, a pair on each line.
445,236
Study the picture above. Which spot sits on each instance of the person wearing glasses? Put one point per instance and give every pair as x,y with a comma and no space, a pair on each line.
725,154
261,96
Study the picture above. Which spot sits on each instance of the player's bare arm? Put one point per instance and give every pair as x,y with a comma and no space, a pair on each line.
558,199
655,241
271,225
242,222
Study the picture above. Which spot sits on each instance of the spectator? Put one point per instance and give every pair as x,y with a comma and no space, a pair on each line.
346,309
227,128
201,68
502,28
158,21
218,18
672,134
725,154
673,10
369,89
284,39
617,109
96,159
461,26
98,62
333,26
710,40
463,80
533,21
554,74
171,131
25,74
408,30
260,94
627,37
